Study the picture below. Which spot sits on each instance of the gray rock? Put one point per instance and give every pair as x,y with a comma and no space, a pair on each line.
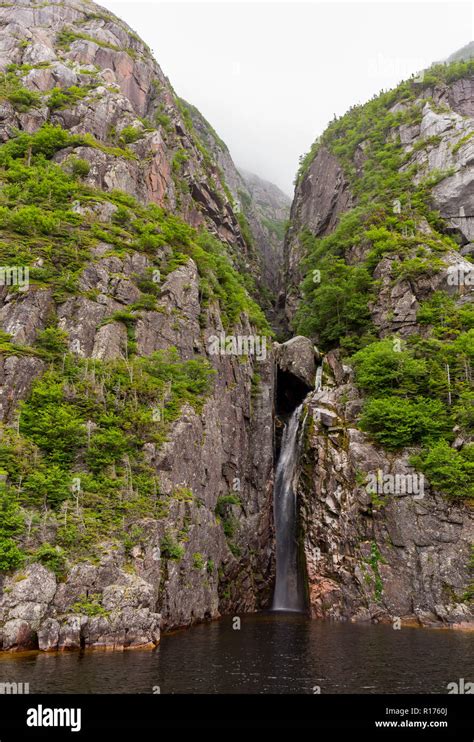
25,315
17,634
297,357
17,374
48,635
70,632
422,542
110,342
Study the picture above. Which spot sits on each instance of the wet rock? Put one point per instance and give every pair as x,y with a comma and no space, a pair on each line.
17,635
48,635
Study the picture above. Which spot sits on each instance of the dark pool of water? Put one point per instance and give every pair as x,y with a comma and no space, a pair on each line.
271,653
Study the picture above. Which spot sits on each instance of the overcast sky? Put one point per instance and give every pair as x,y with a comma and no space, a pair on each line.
269,76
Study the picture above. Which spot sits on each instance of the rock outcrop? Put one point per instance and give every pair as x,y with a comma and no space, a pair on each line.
370,554
297,358
320,198
261,204
125,103
210,549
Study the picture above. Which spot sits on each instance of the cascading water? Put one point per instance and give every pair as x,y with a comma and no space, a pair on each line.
289,589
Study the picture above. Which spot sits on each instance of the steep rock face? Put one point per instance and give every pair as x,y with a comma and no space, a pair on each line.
269,208
372,556
126,101
209,549
264,206
397,555
269,200
320,197
439,142
448,119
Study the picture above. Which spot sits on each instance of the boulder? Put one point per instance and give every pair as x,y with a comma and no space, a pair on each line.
298,358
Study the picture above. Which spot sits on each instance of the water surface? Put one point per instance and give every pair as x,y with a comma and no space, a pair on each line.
271,653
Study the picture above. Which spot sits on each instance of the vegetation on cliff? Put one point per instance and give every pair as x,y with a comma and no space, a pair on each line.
419,391
73,465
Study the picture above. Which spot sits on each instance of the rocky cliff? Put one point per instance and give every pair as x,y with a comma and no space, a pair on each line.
137,447
261,207
379,274
138,377
272,211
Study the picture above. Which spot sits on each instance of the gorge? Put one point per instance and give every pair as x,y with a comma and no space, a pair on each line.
151,479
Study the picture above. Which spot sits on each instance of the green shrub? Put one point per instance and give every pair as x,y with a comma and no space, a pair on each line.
107,447
170,548
80,168
198,561
449,471
146,302
223,503
11,556
11,529
89,605
30,220
46,141
67,36
149,243
396,422
51,557
48,485
66,97
179,158
23,99
51,423
130,134
121,216
381,368
163,120
53,341
224,513
412,268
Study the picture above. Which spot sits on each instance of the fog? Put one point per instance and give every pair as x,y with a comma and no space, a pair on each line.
270,76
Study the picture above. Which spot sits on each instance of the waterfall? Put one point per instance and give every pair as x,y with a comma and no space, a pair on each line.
319,379
289,591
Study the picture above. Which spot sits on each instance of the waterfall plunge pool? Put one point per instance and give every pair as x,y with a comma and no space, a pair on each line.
272,652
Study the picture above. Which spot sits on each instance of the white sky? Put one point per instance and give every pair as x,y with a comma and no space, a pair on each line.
269,76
